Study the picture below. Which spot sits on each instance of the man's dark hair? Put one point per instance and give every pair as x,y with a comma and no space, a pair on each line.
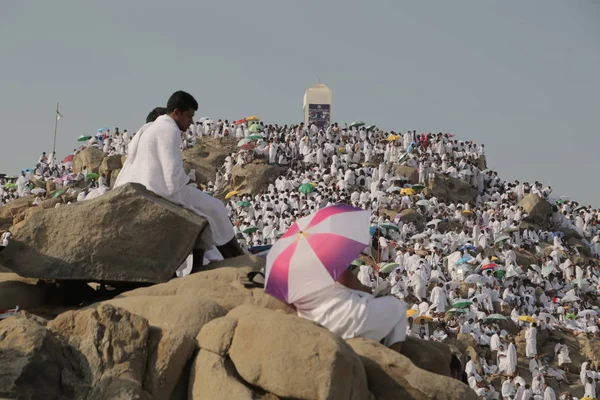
157,112
181,100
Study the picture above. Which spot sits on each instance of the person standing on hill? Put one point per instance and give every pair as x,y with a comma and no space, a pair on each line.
155,161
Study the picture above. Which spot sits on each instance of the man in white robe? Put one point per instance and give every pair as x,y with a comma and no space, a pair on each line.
531,338
155,161
438,299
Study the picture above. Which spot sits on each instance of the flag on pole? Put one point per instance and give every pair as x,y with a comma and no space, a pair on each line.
58,115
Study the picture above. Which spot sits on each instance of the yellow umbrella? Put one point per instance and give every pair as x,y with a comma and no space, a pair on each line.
526,318
425,318
252,118
393,137
411,312
231,194
315,184
493,258
467,212
409,191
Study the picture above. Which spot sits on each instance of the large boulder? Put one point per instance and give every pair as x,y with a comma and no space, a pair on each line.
90,157
254,177
207,155
108,165
218,282
113,343
391,375
450,189
410,215
12,209
36,363
128,234
175,322
538,210
411,174
428,355
280,354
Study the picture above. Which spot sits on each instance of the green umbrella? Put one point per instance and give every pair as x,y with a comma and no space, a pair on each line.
356,123
255,128
10,186
209,193
93,175
580,208
390,226
500,273
84,138
418,187
255,137
356,263
571,316
496,317
501,239
388,268
250,229
306,188
58,194
370,127
462,303
243,203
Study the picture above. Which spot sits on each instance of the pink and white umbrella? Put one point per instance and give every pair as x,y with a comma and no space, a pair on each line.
315,251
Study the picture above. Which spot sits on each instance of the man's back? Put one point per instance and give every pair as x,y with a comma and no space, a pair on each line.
155,159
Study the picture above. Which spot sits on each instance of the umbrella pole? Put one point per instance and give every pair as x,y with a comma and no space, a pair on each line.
55,128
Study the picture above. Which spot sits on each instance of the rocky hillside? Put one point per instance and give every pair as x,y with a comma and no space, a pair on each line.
206,336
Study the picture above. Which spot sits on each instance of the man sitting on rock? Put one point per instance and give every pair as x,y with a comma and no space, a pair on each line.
154,160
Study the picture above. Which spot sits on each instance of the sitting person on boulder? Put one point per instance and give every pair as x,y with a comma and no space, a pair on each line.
154,160
349,310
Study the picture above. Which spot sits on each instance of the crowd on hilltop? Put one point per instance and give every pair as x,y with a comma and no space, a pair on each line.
456,263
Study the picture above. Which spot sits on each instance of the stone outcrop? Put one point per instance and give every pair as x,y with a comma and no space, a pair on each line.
129,234
411,174
281,354
538,210
449,189
391,375
254,177
208,155
110,164
90,157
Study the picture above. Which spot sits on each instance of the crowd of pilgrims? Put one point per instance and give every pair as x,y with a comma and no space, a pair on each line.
428,267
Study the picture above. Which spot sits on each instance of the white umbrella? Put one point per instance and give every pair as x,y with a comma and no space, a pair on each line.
392,189
243,142
38,191
434,222
582,314
466,172
569,299
535,268
474,279
419,236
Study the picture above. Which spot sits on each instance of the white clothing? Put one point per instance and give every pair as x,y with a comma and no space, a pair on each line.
350,313
155,161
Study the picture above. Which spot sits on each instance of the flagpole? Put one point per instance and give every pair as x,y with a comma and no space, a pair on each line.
55,127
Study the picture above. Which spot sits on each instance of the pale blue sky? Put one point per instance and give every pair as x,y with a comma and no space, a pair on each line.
523,77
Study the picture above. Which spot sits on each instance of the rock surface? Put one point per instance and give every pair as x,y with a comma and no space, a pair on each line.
538,210
449,189
254,177
391,375
35,363
129,234
282,353
90,157
208,154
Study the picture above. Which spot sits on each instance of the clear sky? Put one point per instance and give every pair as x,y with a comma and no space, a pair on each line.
523,77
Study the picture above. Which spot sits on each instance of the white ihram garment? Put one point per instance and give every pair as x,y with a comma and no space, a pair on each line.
350,314
155,161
